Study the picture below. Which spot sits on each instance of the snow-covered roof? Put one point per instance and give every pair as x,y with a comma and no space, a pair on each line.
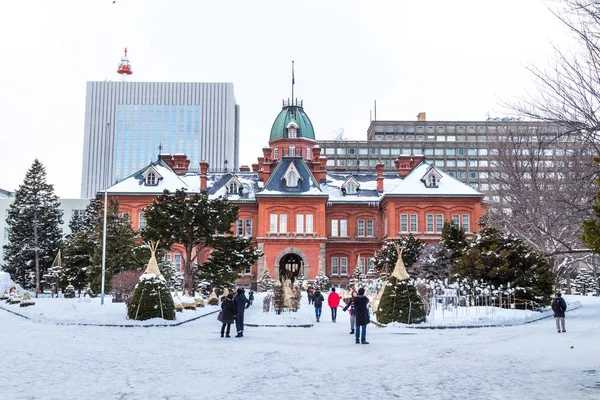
393,184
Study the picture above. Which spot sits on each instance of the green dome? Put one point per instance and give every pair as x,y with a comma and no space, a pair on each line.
292,114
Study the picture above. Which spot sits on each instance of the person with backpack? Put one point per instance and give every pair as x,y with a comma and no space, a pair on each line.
350,306
334,301
361,304
559,306
241,304
318,300
251,296
310,293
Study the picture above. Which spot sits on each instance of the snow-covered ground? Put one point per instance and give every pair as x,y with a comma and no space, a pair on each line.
43,360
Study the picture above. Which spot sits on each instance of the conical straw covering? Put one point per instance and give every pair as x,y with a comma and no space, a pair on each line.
152,267
400,270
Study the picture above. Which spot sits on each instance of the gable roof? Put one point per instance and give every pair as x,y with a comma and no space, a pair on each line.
307,184
135,182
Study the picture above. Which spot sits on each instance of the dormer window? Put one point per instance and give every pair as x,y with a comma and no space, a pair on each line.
350,188
292,179
151,179
291,176
432,181
292,133
292,130
234,186
432,177
292,150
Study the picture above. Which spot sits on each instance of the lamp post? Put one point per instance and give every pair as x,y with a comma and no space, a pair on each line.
104,225
37,258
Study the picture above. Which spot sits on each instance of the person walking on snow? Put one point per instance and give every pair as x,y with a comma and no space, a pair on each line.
334,301
318,300
241,304
361,304
350,306
251,296
227,314
559,306
310,294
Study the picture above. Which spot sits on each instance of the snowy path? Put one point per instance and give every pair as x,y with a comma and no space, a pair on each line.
45,361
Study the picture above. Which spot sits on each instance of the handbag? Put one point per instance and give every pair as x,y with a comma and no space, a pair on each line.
220,316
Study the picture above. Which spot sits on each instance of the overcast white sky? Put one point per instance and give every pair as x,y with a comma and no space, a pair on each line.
453,59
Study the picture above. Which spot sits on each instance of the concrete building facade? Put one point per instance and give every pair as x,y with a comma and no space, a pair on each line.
127,124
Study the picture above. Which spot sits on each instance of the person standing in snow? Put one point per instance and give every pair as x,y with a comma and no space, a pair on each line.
334,301
241,304
361,304
318,300
559,306
350,306
251,296
227,315
310,294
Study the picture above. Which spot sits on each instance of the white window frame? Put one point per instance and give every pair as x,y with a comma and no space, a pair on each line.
456,219
343,265
414,223
239,227
404,223
439,222
429,223
309,223
335,266
360,228
299,223
466,222
248,227
292,150
273,225
370,228
343,227
334,228
141,220
282,223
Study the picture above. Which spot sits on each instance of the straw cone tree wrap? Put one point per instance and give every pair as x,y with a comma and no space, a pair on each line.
151,298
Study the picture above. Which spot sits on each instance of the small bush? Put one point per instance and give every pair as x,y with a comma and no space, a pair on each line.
151,299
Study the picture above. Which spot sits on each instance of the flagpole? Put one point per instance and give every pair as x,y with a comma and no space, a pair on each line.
293,103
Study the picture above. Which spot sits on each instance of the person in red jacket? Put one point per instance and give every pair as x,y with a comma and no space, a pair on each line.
334,301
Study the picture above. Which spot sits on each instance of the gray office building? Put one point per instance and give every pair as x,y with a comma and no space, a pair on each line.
466,150
127,124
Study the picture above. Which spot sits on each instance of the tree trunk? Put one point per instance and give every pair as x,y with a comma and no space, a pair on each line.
188,271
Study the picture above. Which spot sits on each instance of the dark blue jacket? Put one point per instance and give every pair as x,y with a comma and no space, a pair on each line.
241,302
318,299
559,306
361,303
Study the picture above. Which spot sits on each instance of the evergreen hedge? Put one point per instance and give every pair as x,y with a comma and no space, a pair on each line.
400,303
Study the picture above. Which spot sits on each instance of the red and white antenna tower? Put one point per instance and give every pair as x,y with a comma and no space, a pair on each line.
124,68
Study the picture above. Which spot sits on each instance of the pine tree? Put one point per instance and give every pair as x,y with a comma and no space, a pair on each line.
122,250
500,259
230,256
191,221
34,215
386,258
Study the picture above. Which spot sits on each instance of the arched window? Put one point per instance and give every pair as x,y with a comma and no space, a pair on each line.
292,150
276,153
350,188
432,181
307,153
291,179
151,179
233,188
291,133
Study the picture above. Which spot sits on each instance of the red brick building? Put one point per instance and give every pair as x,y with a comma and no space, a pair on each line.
304,218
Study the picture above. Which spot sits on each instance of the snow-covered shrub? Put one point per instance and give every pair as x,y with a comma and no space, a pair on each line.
69,292
151,299
321,282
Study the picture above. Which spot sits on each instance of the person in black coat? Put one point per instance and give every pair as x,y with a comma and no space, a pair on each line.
227,314
361,304
318,300
241,303
559,306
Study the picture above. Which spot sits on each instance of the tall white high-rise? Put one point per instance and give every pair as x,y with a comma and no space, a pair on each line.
127,125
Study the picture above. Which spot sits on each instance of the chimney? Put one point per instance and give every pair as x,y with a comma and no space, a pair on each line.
267,153
180,164
203,177
405,164
379,168
421,116
244,168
